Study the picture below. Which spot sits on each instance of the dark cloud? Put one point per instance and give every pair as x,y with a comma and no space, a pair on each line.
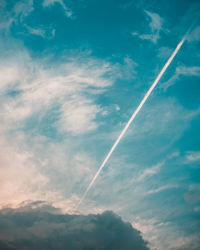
40,226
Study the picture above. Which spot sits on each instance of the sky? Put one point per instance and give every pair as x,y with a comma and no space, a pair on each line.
71,75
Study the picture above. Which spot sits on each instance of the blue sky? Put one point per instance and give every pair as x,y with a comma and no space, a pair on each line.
72,73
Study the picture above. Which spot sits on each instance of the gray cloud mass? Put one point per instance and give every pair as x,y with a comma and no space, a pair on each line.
38,226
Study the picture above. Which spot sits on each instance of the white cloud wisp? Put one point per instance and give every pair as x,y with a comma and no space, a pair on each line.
155,25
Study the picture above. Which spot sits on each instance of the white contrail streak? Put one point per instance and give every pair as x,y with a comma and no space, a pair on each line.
131,119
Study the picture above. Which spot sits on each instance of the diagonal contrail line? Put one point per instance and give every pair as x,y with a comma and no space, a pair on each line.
131,119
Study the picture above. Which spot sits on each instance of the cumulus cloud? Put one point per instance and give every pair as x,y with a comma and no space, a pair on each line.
155,25
39,226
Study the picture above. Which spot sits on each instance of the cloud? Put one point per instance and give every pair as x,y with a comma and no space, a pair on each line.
161,188
181,71
127,69
192,197
70,87
149,172
33,88
23,8
194,35
39,226
193,156
45,108
67,10
43,170
188,71
164,52
155,25
6,24
16,14
168,112
16,176
163,236
156,21
36,31
37,97
48,34
78,115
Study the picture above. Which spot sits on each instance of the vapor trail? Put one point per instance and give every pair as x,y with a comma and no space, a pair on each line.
131,119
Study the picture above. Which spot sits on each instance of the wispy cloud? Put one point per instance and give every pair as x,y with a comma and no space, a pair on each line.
29,90
194,35
161,188
23,8
155,25
168,112
193,156
16,187
38,96
132,119
36,31
66,9
164,52
71,86
149,172
16,14
50,172
151,228
181,71
38,89
156,21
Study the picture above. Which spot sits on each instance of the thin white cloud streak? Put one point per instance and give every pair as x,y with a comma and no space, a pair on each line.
150,172
193,156
157,190
35,31
131,120
181,71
